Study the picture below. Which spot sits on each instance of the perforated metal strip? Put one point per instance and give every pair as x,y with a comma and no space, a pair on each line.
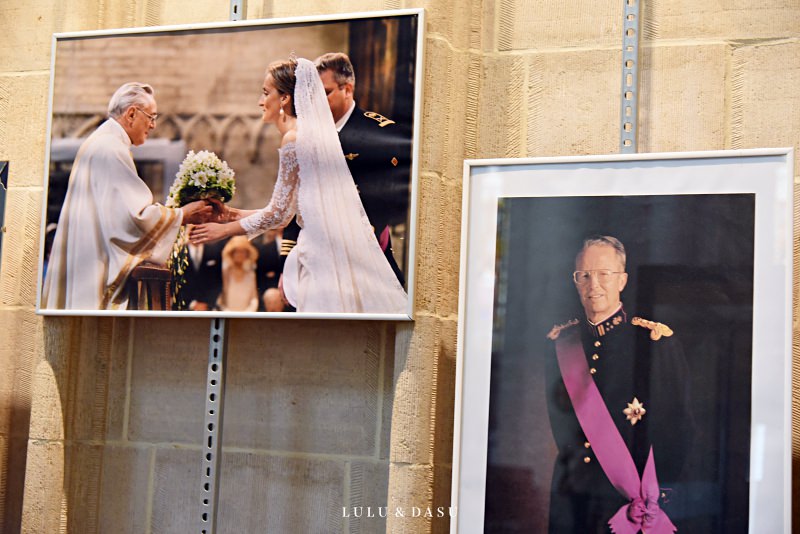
629,109
212,438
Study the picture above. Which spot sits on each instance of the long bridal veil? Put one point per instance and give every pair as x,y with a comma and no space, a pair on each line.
341,265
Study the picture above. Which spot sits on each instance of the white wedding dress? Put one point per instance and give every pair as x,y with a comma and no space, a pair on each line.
337,265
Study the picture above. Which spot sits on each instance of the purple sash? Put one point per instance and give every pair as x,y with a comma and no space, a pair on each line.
642,513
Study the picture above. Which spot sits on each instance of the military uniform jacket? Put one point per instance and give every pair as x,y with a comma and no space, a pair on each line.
627,363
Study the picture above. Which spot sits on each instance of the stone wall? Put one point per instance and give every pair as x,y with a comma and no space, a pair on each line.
98,425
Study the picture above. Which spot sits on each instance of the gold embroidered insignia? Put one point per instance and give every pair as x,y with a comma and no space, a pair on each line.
556,330
380,119
635,411
394,162
351,156
656,329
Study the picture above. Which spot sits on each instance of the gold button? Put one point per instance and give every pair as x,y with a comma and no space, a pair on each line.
592,370
587,444
595,357
596,343
586,459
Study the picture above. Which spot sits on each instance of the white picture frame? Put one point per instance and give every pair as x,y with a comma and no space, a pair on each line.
595,185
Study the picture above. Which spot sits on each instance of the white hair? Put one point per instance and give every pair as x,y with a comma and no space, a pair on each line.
129,94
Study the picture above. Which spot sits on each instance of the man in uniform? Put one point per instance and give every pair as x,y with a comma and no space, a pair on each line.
619,409
378,154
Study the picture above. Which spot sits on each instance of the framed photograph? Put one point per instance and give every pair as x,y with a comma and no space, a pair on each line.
186,174
624,344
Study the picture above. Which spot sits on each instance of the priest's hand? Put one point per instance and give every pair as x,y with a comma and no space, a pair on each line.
196,212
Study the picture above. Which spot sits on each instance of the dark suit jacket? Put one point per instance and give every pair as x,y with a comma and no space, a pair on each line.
203,280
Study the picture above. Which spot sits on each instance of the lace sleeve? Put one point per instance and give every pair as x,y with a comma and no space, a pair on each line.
283,204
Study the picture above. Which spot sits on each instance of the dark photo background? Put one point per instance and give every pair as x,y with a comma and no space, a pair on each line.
690,266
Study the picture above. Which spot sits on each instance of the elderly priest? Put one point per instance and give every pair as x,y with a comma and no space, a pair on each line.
109,223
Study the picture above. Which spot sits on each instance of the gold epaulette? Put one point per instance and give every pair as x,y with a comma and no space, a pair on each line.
286,246
656,329
556,330
380,119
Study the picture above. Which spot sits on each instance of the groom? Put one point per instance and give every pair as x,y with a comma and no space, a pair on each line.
378,154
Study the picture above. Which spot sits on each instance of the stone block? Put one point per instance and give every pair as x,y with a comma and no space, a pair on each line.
86,416
13,461
438,245
23,126
389,333
304,386
368,493
168,380
258,493
117,390
18,354
281,494
414,394
42,509
573,102
124,490
680,104
459,24
536,24
410,486
83,472
20,261
444,408
442,483
765,103
449,110
503,107
720,19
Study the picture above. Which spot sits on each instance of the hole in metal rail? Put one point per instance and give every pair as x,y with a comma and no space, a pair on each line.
629,64
629,80
628,127
205,501
216,338
627,142
628,95
630,32
629,49
212,397
206,486
214,367
209,456
628,111
210,441
213,382
205,517
631,17
211,426
208,471
215,353
210,412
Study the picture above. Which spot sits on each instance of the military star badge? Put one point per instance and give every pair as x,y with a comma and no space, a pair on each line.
635,411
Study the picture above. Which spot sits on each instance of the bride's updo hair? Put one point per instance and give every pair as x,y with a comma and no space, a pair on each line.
283,79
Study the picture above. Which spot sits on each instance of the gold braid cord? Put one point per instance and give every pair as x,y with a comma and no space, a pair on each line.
656,329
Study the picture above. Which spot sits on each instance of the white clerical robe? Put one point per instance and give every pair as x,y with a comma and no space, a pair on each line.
108,225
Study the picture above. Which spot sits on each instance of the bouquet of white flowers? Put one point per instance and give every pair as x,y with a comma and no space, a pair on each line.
202,175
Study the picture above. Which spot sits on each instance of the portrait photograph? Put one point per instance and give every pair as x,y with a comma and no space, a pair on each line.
249,169
631,373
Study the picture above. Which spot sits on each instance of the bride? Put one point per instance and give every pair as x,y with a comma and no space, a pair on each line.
337,265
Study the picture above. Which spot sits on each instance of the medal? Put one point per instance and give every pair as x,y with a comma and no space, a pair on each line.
635,411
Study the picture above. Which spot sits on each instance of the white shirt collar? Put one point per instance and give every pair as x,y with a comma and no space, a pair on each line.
341,122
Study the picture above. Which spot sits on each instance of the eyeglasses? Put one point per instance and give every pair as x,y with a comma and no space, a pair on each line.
153,118
584,277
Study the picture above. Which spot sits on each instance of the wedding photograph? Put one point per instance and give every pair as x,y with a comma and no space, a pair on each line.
619,348
265,168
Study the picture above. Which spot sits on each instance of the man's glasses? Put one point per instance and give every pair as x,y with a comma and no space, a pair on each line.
153,118
585,277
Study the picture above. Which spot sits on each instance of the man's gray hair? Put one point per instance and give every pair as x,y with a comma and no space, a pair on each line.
604,240
130,94
339,64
